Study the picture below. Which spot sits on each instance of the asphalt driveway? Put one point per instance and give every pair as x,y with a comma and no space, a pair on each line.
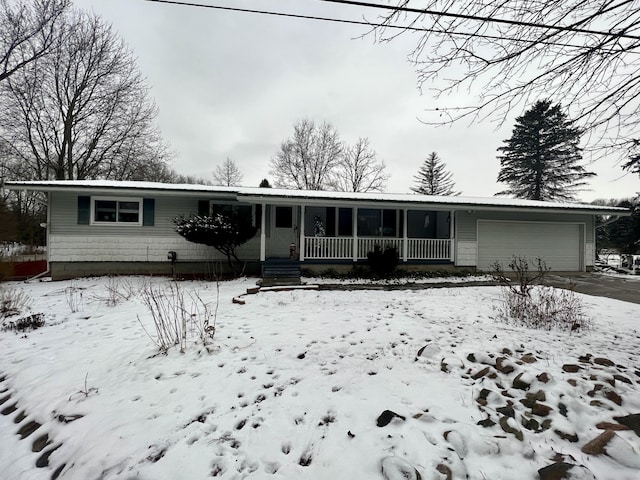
626,288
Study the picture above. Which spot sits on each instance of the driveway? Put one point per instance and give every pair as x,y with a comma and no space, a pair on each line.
619,287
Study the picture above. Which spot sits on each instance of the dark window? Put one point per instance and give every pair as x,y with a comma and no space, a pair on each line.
369,224
105,210
389,223
345,222
330,227
284,217
243,213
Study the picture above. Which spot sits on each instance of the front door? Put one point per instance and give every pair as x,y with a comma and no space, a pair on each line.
284,231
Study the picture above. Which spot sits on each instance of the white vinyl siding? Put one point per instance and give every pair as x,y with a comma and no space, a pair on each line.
560,245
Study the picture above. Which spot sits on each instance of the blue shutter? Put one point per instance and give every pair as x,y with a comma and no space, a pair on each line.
148,212
84,210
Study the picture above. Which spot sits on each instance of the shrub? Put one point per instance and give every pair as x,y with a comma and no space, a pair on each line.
13,301
383,262
176,318
541,307
30,322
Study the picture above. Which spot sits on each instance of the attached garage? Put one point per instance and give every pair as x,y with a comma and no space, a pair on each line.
558,244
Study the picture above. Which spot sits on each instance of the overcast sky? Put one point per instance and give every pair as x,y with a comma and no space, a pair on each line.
233,84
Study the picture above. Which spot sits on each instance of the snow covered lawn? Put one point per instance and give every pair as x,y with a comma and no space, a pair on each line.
297,382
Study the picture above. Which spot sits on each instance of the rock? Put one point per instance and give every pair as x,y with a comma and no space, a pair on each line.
457,442
614,397
611,426
530,424
632,421
506,351
507,410
563,470
605,362
482,397
562,408
395,468
471,357
428,351
569,437
571,368
543,377
446,471
598,445
622,378
480,373
585,358
573,382
520,383
504,424
486,423
541,410
238,300
528,358
624,452
447,364
385,418
504,366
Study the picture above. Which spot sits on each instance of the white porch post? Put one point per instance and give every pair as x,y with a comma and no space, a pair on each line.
452,235
263,233
354,226
301,226
405,238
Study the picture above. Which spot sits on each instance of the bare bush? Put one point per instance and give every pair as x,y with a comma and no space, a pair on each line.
13,301
118,290
540,307
177,318
73,294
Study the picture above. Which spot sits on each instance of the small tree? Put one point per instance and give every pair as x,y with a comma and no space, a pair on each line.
540,160
224,232
433,178
228,174
264,183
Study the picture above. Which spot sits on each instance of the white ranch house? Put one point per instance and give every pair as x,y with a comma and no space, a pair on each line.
107,227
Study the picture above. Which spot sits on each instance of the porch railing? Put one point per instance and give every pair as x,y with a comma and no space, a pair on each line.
341,248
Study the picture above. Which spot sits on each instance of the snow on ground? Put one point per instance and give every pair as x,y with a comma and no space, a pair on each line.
296,383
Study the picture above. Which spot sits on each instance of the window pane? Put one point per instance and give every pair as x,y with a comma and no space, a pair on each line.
369,222
284,217
105,211
128,212
389,223
345,222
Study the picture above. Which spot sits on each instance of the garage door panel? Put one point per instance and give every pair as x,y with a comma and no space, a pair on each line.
558,244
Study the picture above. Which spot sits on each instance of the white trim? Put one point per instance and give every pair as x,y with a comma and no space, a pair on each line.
93,221
263,233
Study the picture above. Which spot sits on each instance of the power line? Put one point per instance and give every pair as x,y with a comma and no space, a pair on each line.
366,23
483,19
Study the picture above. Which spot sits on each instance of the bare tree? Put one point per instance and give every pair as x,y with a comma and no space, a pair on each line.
306,160
584,54
433,178
82,111
228,174
29,31
358,170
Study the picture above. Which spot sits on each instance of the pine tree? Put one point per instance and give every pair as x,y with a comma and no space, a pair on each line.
540,160
433,178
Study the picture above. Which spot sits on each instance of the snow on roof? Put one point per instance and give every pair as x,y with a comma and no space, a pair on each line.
257,193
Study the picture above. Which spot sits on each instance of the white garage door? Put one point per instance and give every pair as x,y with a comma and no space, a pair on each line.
558,244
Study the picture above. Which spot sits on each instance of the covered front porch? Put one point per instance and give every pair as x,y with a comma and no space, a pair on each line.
334,233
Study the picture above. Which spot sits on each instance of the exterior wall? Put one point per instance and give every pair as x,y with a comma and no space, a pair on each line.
466,231
70,242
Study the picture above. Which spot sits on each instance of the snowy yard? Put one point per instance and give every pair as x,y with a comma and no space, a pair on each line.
296,383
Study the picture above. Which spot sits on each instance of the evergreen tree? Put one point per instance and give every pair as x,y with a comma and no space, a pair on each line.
264,183
540,160
433,178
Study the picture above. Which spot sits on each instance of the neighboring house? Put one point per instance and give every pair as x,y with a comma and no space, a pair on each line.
106,227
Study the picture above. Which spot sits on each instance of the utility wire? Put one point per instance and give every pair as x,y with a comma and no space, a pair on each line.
483,19
369,24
